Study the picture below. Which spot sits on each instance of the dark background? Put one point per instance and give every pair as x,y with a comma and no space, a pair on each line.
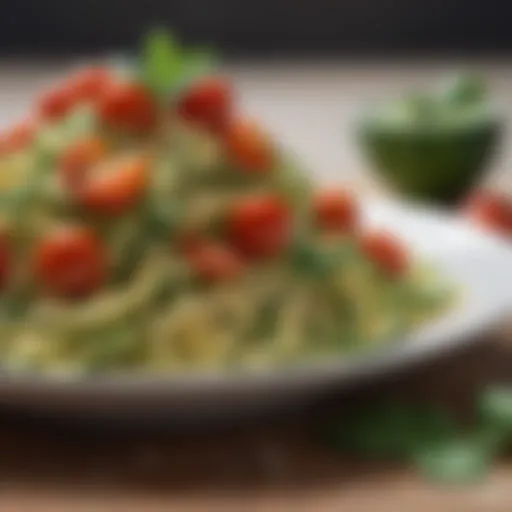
262,27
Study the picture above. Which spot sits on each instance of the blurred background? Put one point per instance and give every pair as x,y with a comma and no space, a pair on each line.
264,28
305,67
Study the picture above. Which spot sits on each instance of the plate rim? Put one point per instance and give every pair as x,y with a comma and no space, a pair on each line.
388,356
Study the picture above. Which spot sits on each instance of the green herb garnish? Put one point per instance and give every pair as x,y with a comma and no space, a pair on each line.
428,438
455,461
165,67
391,430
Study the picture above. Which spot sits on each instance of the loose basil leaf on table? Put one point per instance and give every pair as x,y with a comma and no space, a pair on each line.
454,461
427,437
495,416
495,406
391,430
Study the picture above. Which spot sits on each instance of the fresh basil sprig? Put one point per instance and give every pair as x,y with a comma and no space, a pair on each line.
166,67
161,61
495,407
454,461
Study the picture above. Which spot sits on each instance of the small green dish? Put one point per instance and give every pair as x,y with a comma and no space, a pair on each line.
433,147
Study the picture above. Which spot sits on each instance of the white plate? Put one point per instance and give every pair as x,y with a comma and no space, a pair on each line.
479,263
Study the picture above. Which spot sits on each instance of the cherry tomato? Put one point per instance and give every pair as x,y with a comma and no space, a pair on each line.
259,226
386,251
71,262
17,138
128,106
336,211
56,103
114,186
86,85
89,84
491,210
212,262
208,103
248,147
79,157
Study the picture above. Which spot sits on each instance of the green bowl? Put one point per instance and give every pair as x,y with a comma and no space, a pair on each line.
433,162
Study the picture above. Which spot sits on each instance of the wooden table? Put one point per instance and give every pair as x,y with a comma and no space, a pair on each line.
275,465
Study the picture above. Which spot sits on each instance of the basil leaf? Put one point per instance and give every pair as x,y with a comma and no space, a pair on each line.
495,417
14,306
162,62
496,407
166,68
392,430
427,437
381,432
456,461
309,260
163,218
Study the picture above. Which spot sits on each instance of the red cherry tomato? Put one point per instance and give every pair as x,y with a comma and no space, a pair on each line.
79,157
386,252
114,186
89,84
248,147
128,106
17,138
213,263
86,85
208,103
56,103
71,262
259,226
336,211
491,210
